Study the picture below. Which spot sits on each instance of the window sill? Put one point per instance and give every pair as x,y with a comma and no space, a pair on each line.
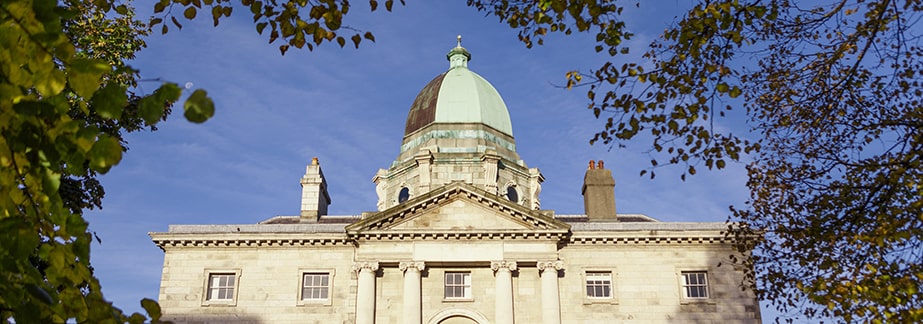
457,300
315,302
219,303
693,301
592,301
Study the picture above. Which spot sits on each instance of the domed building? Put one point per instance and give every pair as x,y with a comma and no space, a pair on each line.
459,236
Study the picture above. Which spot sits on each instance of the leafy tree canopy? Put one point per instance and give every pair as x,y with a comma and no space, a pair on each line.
64,106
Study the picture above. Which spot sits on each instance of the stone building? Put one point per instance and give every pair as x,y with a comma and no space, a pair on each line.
459,237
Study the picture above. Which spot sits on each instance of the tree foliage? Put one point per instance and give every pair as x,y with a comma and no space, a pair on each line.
298,23
64,107
831,93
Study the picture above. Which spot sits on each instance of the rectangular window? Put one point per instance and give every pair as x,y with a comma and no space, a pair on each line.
695,284
599,284
221,286
457,285
315,286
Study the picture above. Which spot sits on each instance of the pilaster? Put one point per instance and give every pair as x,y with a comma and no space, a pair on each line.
491,161
424,168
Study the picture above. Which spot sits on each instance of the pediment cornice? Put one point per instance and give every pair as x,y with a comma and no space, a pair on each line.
531,223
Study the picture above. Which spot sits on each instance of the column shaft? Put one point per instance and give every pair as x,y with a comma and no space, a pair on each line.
365,297
504,290
551,301
412,292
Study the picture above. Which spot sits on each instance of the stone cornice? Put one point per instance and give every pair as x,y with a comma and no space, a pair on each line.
379,222
458,235
627,239
168,240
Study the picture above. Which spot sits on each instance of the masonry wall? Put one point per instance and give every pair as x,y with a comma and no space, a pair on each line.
268,288
647,284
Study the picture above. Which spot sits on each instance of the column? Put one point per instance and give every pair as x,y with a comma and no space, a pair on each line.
412,293
551,301
503,272
365,297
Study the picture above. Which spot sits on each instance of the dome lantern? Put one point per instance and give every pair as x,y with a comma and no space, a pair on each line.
458,56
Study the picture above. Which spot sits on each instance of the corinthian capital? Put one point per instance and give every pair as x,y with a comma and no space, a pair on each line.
503,264
555,265
412,265
365,265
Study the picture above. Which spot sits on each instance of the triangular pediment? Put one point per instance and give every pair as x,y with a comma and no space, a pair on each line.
458,208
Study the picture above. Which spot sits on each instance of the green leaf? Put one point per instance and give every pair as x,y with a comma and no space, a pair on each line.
84,74
151,109
51,180
735,92
160,6
189,13
105,153
50,84
152,309
109,101
199,107
169,92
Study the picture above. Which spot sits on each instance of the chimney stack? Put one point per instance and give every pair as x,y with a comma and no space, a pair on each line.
599,193
314,196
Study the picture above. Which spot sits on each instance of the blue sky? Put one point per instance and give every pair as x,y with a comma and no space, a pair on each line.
348,107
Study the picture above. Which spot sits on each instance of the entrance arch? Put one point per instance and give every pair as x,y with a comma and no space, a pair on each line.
458,320
458,315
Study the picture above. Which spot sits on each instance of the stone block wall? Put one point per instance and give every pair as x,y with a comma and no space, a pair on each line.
647,284
268,284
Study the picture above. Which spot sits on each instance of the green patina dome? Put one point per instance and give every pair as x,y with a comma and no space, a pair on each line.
459,96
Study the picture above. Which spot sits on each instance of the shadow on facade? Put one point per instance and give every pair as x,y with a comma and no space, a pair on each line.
727,300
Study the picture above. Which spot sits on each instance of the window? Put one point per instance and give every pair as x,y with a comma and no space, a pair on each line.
315,286
695,284
403,195
221,286
457,285
512,194
599,285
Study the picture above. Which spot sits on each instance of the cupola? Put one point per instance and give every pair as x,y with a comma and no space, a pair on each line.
458,129
459,96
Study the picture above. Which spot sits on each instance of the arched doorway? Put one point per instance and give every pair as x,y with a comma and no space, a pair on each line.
458,315
458,320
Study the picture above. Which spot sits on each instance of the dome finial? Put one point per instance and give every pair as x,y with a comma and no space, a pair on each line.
458,56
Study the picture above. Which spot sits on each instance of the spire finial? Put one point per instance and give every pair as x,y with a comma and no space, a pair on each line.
458,56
